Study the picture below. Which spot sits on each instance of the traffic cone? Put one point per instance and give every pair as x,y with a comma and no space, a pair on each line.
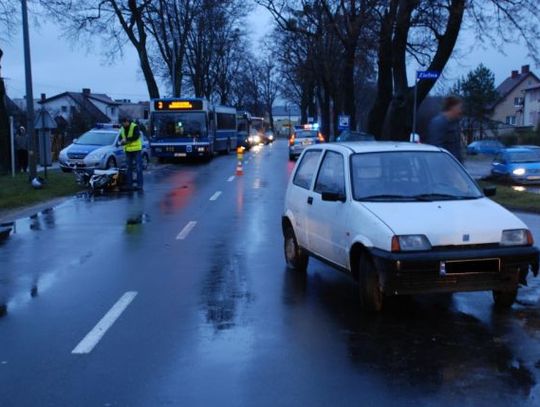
239,168
240,156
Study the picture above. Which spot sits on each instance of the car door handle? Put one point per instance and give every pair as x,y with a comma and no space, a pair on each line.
310,200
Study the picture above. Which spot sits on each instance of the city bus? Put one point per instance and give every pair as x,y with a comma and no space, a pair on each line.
181,128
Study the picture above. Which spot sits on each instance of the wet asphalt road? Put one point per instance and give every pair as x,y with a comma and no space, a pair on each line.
216,319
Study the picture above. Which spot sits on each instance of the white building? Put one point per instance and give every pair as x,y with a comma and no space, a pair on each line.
99,107
531,106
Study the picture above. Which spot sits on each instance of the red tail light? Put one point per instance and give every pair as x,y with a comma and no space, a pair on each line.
320,137
291,140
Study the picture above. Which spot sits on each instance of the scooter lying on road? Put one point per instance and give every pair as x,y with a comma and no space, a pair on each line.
101,180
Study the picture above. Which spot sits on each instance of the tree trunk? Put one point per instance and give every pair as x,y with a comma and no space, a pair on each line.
151,84
377,113
5,136
347,86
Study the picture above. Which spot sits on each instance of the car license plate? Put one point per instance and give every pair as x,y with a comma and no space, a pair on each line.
306,142
180,154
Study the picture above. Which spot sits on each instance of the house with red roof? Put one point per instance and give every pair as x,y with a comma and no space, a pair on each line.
510,107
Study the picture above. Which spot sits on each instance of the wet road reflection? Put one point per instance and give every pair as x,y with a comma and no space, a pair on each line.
218,320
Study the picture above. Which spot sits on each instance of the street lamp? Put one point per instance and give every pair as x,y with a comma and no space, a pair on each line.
29,92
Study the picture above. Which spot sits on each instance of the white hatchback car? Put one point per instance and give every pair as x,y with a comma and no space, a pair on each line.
403,218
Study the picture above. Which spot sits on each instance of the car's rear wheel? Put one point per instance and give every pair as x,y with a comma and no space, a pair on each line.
65,169
504,299
291,157
371,295
111,163
296,257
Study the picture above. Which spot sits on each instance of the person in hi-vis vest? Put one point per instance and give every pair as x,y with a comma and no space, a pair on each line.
131,139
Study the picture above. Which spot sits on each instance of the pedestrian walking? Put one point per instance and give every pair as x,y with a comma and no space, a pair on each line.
444,130
22,143
131,139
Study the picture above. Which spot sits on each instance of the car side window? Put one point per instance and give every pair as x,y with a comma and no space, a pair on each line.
331,176
306,169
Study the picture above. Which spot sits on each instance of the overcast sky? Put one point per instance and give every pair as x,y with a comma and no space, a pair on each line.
59,66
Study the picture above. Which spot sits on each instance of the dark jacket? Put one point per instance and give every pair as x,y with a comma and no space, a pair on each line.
445,134
22,141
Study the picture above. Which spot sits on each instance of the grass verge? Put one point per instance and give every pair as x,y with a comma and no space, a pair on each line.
17,192
514,199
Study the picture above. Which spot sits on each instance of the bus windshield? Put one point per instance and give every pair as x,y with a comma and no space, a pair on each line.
179,125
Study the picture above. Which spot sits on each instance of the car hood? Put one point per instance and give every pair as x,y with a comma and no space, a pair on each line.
83,148
447,223
529,166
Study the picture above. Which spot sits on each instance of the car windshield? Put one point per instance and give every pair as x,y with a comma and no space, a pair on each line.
524,157
356,136
306,134
97,138
410,176
179,125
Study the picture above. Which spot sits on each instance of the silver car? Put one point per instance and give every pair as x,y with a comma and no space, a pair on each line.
98,149
302,139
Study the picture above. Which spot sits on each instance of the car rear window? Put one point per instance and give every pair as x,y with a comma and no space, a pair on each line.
306,169
306,134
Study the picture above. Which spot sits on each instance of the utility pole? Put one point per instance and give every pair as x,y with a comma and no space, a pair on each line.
29,93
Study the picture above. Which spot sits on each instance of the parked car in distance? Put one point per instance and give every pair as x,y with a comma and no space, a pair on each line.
98,149
351,135
518,164
302,139
490,147
403,218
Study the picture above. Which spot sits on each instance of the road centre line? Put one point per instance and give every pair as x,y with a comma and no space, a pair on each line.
215,196
94,336
231,179
187,229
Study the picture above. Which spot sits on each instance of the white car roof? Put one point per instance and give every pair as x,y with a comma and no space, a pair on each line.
383,146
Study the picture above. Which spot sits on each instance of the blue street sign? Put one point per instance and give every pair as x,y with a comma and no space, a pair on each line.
344,122
427,75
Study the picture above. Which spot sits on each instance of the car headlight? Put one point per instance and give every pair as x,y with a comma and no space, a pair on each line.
517,237
410,243
519,172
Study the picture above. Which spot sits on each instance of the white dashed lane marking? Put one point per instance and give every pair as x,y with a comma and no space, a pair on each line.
187,229
94,336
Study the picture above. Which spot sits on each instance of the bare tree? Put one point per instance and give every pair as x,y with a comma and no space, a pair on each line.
8,19
115,21
169,22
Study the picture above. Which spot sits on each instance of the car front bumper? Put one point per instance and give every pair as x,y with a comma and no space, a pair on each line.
454,270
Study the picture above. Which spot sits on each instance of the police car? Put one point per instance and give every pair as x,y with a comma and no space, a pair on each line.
403,218
98,149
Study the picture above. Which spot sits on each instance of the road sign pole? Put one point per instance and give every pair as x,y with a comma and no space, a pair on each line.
12,136
414,105
29,93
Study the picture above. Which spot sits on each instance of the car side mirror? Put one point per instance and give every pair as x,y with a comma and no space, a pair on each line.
332,197
490,191
75,140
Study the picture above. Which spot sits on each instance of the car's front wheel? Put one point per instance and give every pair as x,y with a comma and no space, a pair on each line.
504,299
111,163
297,259
371,295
